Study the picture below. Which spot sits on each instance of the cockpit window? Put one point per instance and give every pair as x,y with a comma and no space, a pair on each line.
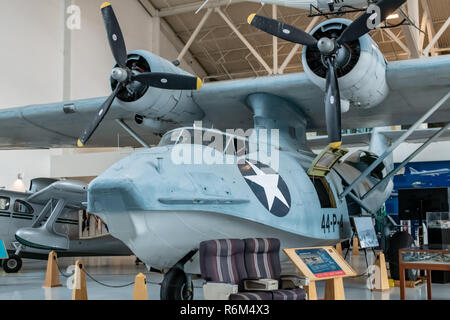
22,207
4,203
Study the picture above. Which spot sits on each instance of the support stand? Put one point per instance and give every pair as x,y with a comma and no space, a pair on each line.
334,289
311,290
52,275
140,288
79,291
339,248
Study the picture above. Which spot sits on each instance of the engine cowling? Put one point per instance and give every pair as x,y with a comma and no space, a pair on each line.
153,103
361,66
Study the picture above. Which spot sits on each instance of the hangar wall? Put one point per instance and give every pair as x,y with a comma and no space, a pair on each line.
44,61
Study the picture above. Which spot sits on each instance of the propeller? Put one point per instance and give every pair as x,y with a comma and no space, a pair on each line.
124,75
329,49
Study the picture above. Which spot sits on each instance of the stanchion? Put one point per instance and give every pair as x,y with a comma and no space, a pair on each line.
52,275
355,250
140,288
79,291
381,279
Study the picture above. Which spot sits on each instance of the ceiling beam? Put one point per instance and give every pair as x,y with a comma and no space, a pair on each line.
436,37
397,40
247,44
192,7
410,32
308,29
167,30
430,26
194,34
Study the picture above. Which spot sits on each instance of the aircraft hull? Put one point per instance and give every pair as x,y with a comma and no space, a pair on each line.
162,238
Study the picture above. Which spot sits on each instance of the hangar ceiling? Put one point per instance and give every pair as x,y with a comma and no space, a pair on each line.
224,54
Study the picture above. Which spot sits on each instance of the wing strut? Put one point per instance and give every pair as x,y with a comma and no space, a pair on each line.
400,140
408,159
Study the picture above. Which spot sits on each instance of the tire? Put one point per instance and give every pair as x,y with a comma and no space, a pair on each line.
174,286
397,241
13,264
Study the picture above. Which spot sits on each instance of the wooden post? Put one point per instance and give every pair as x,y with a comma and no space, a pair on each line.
311,290
334,289
339,249
355,250
381,280
52,275
140,287
79,291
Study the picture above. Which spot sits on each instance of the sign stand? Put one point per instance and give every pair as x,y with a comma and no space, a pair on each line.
322,264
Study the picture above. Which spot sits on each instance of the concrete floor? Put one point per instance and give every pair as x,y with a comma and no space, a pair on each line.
27,285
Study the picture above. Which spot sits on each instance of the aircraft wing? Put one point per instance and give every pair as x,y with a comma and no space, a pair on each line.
363,139
415,86
73,192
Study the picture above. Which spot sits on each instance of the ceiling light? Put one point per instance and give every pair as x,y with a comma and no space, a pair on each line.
392,16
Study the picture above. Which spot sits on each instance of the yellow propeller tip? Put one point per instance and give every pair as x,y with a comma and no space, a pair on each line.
80,144
250,18
105,4
199,83
336,145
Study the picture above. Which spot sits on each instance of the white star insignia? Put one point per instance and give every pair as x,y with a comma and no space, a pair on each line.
270,184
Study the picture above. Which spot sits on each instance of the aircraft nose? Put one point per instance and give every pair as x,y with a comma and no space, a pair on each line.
113,195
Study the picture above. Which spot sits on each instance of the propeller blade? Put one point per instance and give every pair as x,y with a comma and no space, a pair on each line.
281,30
360,27
87,134
333,106
168,81
115,36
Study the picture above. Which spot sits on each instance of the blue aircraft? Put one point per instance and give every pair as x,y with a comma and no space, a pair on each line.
163,201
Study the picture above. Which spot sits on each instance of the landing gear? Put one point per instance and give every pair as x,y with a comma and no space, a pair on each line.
13,264
177,286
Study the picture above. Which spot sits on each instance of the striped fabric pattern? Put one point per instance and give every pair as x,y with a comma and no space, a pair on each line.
251,296
294,294
223,261
262,258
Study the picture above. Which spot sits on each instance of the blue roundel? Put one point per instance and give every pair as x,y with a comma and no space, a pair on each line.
268,186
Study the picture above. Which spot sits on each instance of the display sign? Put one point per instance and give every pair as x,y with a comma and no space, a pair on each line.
320,263
366,232
3,252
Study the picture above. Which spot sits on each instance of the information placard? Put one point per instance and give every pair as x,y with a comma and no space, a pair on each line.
365,232
3,252
320,263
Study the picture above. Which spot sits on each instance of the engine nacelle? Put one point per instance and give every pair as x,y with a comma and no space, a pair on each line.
361,66
154,103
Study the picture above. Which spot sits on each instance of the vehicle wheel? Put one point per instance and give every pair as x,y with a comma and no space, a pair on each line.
397,241
174,286
13,264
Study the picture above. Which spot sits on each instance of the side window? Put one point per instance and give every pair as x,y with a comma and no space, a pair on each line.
22,207
4,203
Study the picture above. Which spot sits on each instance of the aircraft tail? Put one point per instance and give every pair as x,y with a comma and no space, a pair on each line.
412,170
